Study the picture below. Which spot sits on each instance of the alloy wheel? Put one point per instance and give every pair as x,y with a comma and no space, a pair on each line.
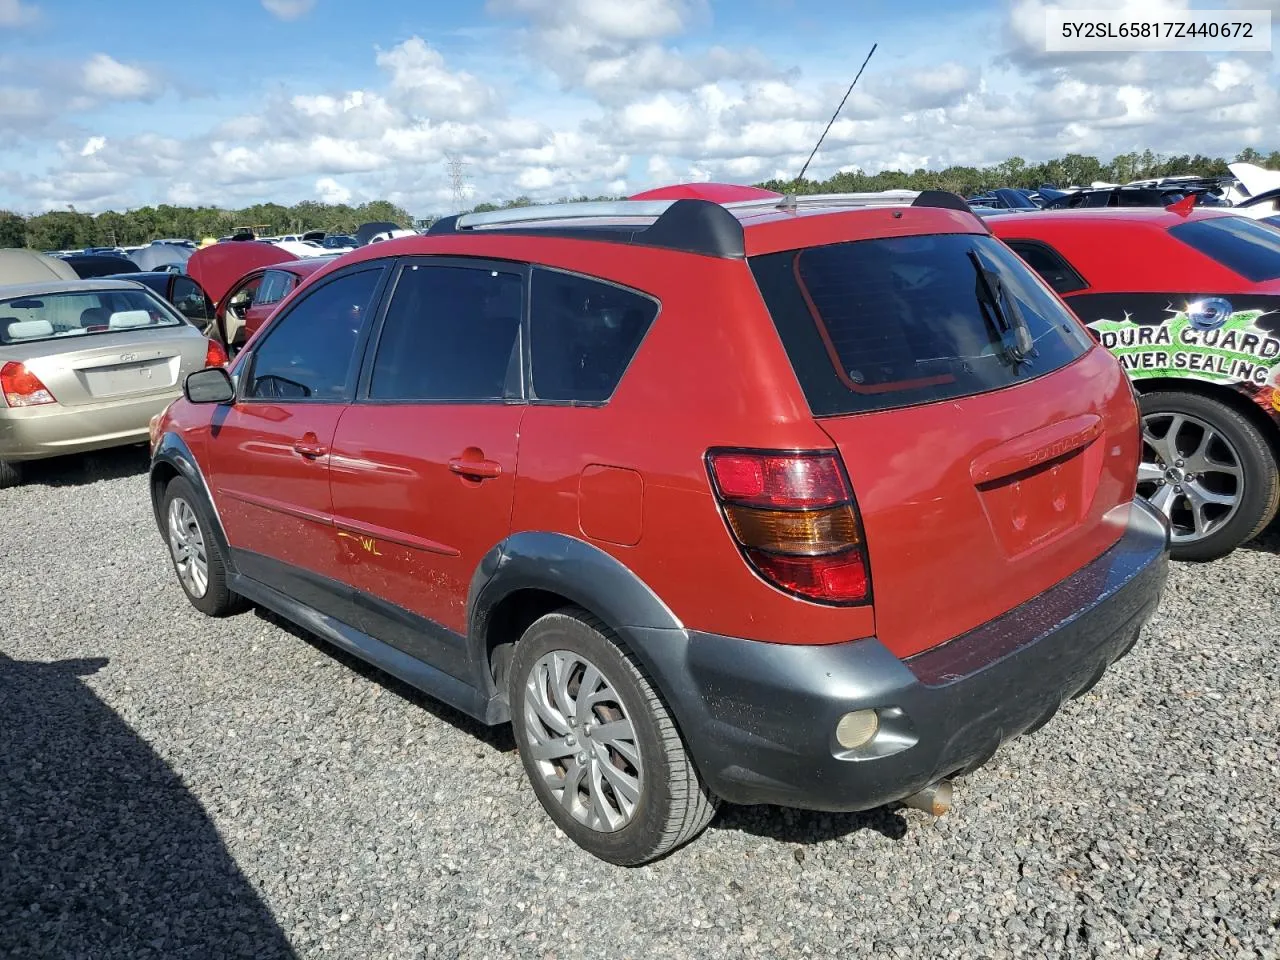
186,543
1190,472
582,741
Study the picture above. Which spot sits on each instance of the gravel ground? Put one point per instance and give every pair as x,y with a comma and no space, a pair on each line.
174,786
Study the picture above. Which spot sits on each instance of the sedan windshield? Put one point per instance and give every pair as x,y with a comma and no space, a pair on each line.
81,313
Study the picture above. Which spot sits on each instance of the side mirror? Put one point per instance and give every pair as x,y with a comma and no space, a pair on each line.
211,385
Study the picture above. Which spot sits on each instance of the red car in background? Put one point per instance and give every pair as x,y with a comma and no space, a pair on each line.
246,281
1189,301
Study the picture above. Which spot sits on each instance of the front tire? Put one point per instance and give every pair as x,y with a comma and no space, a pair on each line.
197,558
1209,470
599,746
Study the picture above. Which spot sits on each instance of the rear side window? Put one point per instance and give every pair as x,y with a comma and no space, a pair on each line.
583,334
877,324
1241,245
1044,260
275,284
451,333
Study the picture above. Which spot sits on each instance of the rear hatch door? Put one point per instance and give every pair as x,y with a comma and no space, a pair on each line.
991,445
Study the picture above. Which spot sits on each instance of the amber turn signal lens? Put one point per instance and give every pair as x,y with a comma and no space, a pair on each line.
808,533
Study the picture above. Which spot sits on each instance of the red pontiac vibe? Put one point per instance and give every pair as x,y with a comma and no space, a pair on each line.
1189,300
760,502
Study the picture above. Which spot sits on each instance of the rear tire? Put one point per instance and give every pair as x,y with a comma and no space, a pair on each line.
1236,464
603,754
10,474
194,551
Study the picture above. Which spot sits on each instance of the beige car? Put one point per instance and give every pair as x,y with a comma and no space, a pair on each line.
85,364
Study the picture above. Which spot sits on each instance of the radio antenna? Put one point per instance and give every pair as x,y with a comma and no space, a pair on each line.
836,114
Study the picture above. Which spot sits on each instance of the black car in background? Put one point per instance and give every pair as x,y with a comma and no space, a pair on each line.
90,265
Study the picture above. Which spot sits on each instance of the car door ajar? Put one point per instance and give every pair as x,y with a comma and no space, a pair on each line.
424,462
269,452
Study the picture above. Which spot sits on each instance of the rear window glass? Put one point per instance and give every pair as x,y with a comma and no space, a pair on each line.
89,313
1242,246
875,324
583,334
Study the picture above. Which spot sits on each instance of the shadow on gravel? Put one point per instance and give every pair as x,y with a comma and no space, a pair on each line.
103,852
1268,541
807,826
86,468
496,738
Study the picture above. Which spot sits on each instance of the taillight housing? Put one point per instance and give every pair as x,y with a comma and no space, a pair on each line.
21,387
215,355
795,520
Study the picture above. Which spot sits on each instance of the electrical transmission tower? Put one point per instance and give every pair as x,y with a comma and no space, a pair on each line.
457,179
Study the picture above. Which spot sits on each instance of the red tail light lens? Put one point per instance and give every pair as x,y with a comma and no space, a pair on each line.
794,517
791,481
22,388
215,355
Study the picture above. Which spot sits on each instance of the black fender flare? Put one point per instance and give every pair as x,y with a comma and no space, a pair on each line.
581,573
172,452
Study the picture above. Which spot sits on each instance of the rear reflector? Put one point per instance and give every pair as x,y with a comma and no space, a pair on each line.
794,518
215,355
22,388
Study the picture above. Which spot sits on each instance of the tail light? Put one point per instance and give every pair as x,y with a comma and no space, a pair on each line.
22,388
215,355
793,516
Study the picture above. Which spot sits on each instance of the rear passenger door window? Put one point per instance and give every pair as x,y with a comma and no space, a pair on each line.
451,333
1051,265
583,333
275,284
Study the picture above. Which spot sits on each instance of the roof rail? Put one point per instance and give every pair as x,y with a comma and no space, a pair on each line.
688,224
691,225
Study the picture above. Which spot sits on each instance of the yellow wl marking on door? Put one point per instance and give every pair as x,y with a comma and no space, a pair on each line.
368,544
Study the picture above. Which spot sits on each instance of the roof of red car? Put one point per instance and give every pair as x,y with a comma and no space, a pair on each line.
1160,216
715,192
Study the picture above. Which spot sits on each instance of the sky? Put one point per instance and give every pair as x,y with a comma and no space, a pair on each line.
233,102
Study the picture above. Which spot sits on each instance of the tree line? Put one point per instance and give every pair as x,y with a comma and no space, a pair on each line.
60,230
72,229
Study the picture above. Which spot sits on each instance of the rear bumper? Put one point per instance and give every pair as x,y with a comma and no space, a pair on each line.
52,430
760,718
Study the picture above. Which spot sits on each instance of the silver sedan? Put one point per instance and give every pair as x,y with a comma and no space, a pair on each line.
86,364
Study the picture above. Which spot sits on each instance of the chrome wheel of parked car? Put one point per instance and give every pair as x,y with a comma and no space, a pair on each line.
598,744
186,542
1208,468
582,741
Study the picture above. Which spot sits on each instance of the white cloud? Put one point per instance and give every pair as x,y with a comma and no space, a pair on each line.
421,82
288,9
646,104
330,190
15,13
108,78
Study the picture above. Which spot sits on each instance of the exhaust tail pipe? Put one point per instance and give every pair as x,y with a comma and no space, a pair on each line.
934,799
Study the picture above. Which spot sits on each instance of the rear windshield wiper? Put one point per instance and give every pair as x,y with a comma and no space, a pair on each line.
1002,314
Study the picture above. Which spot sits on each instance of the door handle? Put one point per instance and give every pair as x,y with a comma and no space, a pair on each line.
310,449
476,469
